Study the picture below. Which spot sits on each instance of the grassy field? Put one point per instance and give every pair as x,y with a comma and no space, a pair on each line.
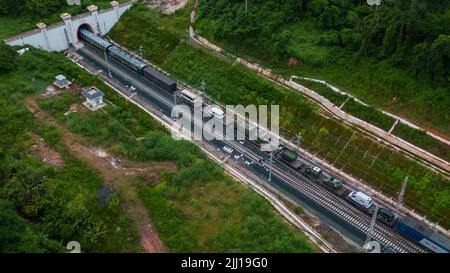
377,118
231,83
219,216
352,107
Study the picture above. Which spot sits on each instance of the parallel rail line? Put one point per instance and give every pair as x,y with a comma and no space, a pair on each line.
318,194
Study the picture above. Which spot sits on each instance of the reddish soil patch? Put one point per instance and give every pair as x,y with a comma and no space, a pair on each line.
167,6
74,88
47,154
119,174
293,61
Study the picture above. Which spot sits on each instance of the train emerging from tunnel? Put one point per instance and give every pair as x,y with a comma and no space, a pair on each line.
155,76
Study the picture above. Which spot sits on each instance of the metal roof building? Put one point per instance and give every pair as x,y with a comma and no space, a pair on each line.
94,97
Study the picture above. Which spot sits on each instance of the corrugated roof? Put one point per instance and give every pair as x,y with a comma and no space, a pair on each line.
92,93
159,75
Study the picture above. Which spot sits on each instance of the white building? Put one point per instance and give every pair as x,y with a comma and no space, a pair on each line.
61,82
94,98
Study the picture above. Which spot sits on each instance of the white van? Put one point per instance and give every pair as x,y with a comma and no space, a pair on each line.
216,112
360,198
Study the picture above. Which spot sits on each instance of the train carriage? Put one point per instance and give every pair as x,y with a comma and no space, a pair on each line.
127,59
423,235
160,79
94,40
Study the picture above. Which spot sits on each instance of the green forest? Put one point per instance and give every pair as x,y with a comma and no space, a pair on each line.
44,8
22,15
396,55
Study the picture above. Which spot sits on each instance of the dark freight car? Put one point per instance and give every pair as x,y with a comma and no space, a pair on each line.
423,235
160,79
386,216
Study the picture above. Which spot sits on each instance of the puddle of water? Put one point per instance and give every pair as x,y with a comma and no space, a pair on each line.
104,193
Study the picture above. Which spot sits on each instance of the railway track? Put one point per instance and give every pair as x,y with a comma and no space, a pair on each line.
332,203
319,195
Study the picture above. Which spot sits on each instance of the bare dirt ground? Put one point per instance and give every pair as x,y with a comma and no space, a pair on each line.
116,172
167,6
45,153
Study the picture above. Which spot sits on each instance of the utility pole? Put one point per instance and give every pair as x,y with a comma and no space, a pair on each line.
372,225
270,166
400,197
299,140
246,5
203,88
107,65
141,52
345,146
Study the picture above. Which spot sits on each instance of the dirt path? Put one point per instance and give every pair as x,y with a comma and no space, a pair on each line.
117,174
47,154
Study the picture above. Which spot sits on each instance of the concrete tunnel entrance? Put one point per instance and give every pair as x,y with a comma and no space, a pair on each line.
84,26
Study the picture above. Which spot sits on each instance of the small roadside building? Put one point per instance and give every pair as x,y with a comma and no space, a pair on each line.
94,98
61,82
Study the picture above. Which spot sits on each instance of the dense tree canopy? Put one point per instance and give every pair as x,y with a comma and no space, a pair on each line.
407,32
40,8
17,235
35,8
7,59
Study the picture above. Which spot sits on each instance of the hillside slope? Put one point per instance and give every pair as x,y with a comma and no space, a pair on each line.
396,56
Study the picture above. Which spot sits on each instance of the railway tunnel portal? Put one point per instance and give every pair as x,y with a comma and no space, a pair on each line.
60,36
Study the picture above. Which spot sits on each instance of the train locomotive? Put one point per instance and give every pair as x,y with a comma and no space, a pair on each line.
155,76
